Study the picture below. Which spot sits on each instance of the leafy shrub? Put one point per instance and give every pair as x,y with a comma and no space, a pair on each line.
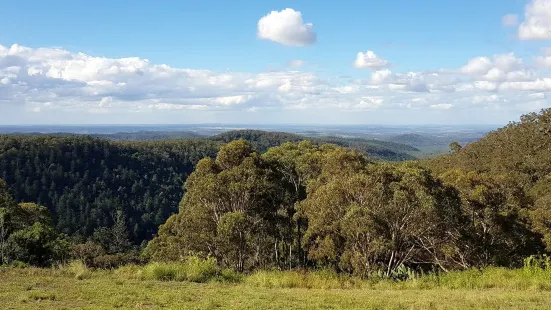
230,276
164,272
79,270
18,264
201,270
193,269
130,271
537,263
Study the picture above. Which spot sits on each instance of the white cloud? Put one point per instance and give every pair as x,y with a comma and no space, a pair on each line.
502,67
537,21
369,103
370,60
105,102
57,81
545,59
485,98
286,27
442,106
541,84
478,66
485,85
296,63
230,100
379,77
510,20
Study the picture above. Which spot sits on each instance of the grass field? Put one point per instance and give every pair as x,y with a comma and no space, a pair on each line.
33,288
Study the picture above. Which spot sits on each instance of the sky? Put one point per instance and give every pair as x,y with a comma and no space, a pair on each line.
274,62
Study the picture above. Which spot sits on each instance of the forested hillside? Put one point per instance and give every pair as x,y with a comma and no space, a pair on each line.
147,135
375,149
517,160
84,181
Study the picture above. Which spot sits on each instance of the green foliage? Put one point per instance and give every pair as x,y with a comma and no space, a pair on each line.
455,147
263,204
27,234
378,219
79,270
32,244
495,226
229,212
192,269
85,182
18,264
262,141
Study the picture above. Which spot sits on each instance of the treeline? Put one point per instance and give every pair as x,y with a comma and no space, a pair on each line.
302,205
306,205
91,186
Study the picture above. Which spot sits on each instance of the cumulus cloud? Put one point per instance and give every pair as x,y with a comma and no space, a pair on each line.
369,60
44,80
478,65
537,21
286,27
502,67
544,61
509,20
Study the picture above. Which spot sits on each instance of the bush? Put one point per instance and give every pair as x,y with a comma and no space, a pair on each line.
18,264
201,270
192,269
163,272
129,271
79,270
230,276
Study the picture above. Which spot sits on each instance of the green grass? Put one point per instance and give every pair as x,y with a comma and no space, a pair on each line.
127,288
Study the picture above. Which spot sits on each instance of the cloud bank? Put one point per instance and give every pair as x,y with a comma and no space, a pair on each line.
38,80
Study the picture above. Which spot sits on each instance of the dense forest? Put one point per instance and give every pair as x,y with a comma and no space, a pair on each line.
84,181
90,185
256,200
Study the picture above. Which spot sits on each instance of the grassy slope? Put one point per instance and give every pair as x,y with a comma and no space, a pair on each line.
52,289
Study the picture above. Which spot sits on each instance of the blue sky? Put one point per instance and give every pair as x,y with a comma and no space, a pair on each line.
414,39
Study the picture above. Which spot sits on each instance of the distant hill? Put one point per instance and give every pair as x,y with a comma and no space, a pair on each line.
262,140
376,149
148,135
123,136
431,145
415,140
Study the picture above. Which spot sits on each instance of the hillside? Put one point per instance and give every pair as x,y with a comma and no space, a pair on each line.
148,135
415,140
376,149
83,180
521,149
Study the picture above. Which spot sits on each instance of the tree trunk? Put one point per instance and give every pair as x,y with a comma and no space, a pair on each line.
290,255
